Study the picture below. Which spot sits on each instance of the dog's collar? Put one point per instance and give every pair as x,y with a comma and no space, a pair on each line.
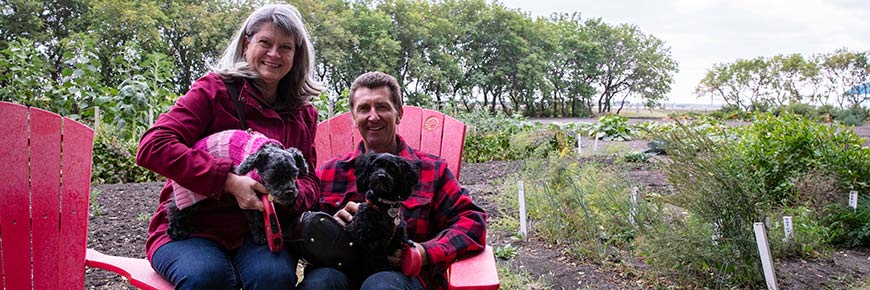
379,200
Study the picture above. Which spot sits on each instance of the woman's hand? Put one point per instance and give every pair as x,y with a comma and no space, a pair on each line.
245,189
345,215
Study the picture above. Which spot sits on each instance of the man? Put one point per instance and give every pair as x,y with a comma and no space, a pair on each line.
441,218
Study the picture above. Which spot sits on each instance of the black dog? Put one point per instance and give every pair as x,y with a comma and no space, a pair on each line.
278,169
377,228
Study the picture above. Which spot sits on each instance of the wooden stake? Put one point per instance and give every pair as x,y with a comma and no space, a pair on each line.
766,259
522,202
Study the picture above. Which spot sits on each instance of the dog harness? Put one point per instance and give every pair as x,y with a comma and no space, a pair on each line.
233,144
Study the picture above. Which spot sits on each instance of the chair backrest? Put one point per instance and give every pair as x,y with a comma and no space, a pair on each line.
425,130
44,194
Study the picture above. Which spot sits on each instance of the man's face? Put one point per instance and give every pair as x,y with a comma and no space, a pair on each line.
376,118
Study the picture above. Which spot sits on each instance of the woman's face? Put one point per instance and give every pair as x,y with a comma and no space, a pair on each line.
270,53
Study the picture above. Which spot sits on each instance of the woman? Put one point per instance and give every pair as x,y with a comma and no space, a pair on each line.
269,62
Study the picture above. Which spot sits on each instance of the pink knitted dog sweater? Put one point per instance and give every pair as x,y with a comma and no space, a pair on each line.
233,144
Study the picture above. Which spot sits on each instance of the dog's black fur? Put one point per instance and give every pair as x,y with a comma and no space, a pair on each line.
278,169
386,180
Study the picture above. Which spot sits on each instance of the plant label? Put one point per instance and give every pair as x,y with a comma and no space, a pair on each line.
595,146
633,210
764,253
853,199
522,203
787,227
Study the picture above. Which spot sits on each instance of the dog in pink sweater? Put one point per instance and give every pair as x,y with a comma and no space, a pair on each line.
276,168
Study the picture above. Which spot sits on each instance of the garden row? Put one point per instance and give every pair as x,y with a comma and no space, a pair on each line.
724,179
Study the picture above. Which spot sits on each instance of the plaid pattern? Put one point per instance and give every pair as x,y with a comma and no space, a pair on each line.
233,144
440,214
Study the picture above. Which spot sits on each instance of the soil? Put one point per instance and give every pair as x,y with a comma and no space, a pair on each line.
119,220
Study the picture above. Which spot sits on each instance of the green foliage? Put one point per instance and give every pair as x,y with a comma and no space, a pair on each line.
95,209
489,135
114,160
800,109
636,157
505,252
582,205
726,184
811,237
611,127
852,116
850,227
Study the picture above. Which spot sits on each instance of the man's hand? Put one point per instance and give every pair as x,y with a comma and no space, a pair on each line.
245,190
345,215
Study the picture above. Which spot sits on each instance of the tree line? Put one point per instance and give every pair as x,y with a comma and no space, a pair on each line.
72,55
837,77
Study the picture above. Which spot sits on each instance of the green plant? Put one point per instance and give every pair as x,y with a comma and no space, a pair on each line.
511,278
505,252
636,157
582,205
114,160
852,116
611,128
850,227
95,209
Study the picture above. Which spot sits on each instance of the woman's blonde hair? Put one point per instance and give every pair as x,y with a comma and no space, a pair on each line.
299,83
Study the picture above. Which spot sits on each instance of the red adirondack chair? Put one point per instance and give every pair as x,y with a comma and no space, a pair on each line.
46,171
431,132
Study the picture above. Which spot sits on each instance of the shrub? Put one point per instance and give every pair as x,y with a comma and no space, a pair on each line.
611,128
801,109
583,205
852,116
850,227
114,160
489,135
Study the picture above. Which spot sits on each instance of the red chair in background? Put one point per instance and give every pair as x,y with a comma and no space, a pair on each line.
426,131
46,171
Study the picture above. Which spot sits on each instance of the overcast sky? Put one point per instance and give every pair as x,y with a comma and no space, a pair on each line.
702,33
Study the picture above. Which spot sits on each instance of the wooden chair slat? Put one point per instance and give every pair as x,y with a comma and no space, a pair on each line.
431,132
14,196
45,182
409,126
77,149
453,144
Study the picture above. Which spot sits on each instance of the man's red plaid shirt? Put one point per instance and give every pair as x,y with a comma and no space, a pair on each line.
440,214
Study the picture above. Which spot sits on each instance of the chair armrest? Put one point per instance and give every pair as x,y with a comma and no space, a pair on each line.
137,271
477,272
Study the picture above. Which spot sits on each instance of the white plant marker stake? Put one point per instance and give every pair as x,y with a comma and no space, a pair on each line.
522,201
633,210
595,146
716,234
853,199
766,259
96,119
787,227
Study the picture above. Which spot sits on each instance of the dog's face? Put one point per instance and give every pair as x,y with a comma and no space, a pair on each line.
389,177
278,169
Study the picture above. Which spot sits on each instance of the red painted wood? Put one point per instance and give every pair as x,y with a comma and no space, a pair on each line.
138,271
60,167
409,126
452,144
45,143
322,143
431,129
77,149
477,272
341,132
14,197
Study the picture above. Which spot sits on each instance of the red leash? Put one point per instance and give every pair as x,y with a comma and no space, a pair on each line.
273,229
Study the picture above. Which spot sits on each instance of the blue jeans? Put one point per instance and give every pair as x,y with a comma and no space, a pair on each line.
332,279
198,263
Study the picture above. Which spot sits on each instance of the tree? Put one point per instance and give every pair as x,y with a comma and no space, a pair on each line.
633,64
841,70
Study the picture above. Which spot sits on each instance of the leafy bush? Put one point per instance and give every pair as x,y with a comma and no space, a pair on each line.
852,116
114,160
850,227
488,136
611,128
801,109
636,157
